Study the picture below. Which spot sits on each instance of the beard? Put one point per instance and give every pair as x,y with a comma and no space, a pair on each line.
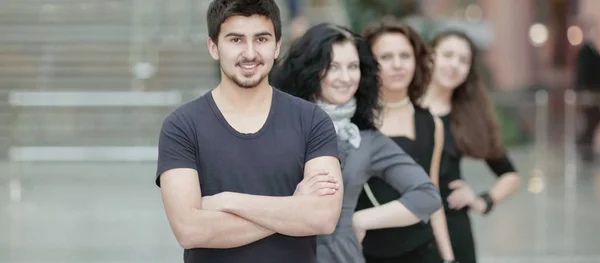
246,84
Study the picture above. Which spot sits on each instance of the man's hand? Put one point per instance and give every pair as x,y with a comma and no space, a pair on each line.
217,202
317,183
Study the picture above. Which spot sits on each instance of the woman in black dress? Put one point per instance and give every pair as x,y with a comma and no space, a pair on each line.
458,96
404,71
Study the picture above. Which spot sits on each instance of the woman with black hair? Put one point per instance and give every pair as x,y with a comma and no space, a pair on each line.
334,67
457,95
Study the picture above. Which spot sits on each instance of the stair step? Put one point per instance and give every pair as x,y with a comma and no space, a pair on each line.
50,9
109,83
94,99
84,71
91,138
84,153
65,34
68,126
15,54
85,48
98,59
36,20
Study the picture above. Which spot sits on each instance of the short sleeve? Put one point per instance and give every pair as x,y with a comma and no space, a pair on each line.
322,138
175,147
501,165
399,170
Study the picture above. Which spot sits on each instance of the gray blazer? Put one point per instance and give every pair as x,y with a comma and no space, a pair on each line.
378,156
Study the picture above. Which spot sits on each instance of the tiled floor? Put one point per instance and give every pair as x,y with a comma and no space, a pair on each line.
558,224
112,213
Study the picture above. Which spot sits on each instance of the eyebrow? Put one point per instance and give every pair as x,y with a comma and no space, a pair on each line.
264,33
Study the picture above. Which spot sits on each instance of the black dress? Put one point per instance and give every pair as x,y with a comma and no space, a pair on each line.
416,243
411,243
588,79
459,224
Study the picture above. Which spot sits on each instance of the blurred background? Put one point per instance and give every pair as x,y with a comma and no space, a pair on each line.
85,85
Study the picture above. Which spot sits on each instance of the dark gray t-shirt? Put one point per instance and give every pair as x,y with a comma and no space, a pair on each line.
269,162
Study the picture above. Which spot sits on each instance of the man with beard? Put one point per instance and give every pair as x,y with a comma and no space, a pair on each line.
248,173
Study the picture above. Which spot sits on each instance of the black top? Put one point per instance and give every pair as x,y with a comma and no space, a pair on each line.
588,63
393,242
450,166
269,162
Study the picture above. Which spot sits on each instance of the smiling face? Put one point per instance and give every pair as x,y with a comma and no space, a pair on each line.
396,58
452,62
341,81
247,49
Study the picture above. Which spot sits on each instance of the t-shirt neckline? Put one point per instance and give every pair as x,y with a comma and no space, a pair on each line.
211,101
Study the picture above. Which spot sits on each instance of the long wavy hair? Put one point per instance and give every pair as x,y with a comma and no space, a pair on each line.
423,58
472,120
300,72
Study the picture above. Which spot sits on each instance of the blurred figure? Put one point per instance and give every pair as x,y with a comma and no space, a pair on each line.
587,79
296,7
405,71
299,22
334,67
458,96
299,25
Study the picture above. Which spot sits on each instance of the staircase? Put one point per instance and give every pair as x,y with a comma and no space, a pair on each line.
69,90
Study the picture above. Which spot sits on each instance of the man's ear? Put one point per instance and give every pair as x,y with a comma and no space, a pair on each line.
212,49
278,49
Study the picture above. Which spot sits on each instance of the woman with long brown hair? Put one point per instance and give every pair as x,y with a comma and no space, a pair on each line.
404,71
457,95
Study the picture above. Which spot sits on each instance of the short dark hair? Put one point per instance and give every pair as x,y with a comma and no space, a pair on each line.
220,10
423,55
300,72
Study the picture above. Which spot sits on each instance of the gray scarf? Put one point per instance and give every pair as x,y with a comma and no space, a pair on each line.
341,115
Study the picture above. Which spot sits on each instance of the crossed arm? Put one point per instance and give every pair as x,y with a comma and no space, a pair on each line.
229,219
194,227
